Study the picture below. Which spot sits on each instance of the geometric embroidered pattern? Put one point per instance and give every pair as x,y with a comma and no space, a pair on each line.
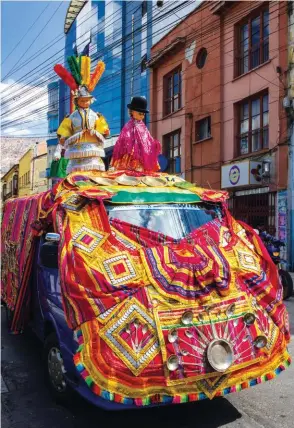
125,242
131,334
87,240
248,261
119,269
209,386
74,203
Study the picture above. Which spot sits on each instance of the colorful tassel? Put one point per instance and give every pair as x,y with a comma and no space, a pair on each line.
85,70
99,70
74,68
66,77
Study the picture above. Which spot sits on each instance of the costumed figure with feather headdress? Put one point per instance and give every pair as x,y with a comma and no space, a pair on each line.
136,149
82,133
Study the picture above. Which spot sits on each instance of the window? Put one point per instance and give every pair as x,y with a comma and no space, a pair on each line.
53,98
15,184
172,151
201,58
172,92
144,63
203,129
144,8
253,42
175,220
4,189
253,124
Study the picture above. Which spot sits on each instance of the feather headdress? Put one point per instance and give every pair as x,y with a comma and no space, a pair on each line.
85,70
96,76
75,68
79,74
66,77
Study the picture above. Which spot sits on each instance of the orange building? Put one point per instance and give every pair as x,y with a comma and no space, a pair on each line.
217,86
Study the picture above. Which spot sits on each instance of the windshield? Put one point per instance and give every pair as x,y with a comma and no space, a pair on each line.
173,220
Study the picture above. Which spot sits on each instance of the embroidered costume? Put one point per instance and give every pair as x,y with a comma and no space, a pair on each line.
82,133
135,148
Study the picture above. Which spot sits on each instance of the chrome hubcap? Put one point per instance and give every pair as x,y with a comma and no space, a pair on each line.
56,369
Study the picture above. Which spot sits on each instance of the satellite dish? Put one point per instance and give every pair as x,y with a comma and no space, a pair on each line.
163,163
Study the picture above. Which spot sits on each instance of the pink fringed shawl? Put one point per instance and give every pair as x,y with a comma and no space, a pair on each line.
135,139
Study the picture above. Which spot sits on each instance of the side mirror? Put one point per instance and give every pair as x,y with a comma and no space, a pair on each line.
52,237
49,252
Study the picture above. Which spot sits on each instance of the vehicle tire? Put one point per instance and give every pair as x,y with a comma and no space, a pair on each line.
287,283
54,373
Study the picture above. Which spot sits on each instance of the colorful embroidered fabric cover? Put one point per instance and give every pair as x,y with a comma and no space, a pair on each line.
127,292
135,148
17,248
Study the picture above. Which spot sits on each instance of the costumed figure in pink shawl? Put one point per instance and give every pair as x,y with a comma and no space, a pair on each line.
136,149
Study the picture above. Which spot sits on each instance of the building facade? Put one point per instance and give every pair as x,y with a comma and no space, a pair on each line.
57,96
9,184
217,86
24,173
32,170
39,182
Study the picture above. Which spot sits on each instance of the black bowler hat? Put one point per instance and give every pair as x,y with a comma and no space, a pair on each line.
138,104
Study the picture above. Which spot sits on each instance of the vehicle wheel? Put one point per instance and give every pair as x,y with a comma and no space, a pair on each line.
54,371
287,283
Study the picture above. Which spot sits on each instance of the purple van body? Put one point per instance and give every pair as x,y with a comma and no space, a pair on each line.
48,317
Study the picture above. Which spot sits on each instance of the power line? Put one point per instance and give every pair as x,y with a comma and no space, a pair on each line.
111,46
189,35
23,37
179,7
36,38
202,34
209,71
196,108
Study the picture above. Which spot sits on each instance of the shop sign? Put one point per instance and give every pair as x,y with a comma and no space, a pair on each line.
245,173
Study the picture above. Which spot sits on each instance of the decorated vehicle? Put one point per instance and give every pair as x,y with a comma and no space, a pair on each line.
142,286
144,290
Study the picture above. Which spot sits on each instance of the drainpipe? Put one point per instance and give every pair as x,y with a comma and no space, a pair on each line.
291,198
190,116
291,136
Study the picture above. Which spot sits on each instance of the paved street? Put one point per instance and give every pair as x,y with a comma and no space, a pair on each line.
27,404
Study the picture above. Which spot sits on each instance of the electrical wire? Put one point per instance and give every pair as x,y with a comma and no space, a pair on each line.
106,49
218,44
23,37
179,7
209,71
35,39
261,76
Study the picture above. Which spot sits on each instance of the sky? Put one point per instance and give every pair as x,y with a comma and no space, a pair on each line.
21,48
